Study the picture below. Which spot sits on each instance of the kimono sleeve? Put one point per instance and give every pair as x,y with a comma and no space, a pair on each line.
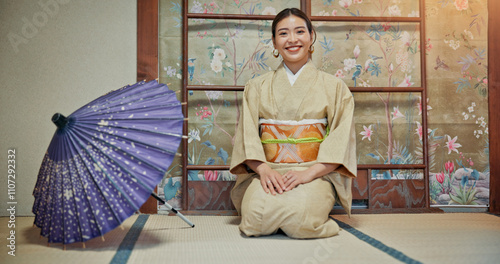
247,144
339,147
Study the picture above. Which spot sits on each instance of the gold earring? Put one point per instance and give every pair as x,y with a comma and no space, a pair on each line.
276,53
311,49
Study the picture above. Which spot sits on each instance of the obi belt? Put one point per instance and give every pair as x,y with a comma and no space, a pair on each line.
289,141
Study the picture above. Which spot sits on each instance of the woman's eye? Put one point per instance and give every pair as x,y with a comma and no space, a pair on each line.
283,34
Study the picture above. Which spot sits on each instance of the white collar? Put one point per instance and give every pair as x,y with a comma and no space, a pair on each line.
293,77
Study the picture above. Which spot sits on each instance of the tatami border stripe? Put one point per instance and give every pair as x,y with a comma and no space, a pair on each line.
125,249
377,244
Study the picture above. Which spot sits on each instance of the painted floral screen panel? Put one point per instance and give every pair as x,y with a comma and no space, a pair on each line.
243,7
373,8
457,85
212,117
370,54
388,128
228,52
456,79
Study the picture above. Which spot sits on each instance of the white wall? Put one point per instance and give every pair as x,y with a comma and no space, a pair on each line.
56,59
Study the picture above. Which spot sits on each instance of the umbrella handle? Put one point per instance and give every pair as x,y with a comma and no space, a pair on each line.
170,208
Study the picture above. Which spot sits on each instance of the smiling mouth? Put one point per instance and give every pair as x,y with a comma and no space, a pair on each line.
294,48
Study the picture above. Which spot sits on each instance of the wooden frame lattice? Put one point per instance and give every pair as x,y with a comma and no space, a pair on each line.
305,5
147,69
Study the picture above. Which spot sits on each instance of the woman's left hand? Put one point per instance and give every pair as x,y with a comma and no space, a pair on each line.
294,178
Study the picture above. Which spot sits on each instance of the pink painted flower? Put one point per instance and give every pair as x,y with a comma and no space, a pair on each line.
428,45
419,130
440,177
452,145
420,105
386,26
397,114
406,82
367,133
356,51
449,166
461,4
339,74
345,3
210,175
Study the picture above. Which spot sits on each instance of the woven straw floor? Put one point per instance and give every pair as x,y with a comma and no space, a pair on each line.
380,238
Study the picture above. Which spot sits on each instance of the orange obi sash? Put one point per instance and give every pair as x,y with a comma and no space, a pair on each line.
292,141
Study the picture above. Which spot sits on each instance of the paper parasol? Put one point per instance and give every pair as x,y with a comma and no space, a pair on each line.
105,160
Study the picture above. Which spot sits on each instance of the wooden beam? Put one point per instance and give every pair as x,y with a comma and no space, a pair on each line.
147,59
147,40
494,104
185,54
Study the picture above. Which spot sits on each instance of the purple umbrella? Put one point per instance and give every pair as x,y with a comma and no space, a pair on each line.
105,160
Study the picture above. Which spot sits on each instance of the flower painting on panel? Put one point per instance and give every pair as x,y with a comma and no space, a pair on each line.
389,125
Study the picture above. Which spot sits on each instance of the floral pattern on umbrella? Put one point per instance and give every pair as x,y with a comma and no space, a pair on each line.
105,160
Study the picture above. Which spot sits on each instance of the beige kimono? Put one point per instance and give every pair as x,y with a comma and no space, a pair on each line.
303,211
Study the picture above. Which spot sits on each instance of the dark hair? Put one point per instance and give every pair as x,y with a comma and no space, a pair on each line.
292,12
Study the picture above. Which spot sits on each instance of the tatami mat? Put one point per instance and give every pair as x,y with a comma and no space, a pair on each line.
435,238
379,238
31,248
217,239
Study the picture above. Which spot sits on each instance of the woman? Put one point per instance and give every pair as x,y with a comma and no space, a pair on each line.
295,150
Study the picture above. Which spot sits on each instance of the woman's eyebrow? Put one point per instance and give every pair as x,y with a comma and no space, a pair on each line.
299,27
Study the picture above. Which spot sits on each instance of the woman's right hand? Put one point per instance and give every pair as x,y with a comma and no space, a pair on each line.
271,180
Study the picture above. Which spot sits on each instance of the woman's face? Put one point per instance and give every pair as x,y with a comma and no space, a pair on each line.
292,40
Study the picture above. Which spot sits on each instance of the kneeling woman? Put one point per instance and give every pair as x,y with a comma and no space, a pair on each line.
295,147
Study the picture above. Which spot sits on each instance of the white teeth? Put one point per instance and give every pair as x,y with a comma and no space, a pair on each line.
293,49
